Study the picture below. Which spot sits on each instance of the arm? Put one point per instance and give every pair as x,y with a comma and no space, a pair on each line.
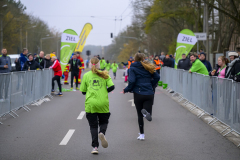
110,89
54,65
39,66
83,86
110,85
194,67
1,66
124,63
156,78
25,67
9,64
132,80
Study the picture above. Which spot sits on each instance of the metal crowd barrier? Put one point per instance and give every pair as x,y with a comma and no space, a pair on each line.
215,96
19,89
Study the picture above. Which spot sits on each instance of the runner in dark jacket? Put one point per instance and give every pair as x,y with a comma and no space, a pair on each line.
31,64
184,63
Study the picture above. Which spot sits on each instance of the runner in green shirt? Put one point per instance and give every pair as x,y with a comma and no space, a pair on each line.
102,64
114,69
96,85
108,66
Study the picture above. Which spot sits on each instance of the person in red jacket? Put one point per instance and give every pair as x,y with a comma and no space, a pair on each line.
57,74
80,68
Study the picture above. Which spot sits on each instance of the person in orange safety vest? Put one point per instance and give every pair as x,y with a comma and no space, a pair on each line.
158,64
66,73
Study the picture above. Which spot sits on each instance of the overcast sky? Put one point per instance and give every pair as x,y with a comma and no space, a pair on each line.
73,14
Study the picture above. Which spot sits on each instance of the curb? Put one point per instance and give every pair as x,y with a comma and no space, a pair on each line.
221,128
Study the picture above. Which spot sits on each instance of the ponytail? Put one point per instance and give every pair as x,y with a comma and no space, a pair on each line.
103,74
148,66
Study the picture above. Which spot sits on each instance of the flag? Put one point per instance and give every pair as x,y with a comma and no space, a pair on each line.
69,41
185,42
83,36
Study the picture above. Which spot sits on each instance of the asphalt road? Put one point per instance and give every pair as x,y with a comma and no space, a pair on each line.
58,130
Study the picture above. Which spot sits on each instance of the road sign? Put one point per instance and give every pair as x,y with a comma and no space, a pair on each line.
201,36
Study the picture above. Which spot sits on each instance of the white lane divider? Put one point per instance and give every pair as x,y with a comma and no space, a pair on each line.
67,137
133,105
81,115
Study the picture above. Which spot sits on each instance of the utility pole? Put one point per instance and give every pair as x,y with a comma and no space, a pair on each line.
206,29
1,34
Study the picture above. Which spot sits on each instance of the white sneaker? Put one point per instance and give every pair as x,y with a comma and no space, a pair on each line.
141,137
95,150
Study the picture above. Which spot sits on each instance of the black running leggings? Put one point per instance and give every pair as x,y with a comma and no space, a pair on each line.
57,78
143,102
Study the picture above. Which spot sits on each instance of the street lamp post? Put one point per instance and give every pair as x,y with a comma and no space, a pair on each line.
2,27
27,34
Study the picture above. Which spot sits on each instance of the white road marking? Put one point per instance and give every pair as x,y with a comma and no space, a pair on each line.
133,105
81,115
67,137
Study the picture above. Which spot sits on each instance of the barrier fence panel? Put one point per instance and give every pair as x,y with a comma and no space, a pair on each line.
5,80
235,124
17,88
38,90
29,86
224,93
214,94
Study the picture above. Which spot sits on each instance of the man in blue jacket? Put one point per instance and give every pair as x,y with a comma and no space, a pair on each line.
205,62
22,60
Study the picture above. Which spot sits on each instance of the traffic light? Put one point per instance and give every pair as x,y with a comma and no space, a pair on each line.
111,35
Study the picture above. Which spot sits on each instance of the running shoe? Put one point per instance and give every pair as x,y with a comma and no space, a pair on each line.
53,91
95,150
77,88
141,137
60,94
71,88
146,115
103,140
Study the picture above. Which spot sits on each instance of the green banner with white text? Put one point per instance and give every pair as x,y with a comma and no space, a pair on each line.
185,42
69,41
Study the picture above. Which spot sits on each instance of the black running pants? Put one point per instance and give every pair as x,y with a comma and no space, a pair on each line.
57,78
143,102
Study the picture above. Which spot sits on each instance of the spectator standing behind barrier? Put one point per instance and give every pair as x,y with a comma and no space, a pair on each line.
98,57
5,67
31,64
40,58
184,63
143,80
57,74
197,66
150,59
167,62
5,62
233,69
173,60
22,60
220,70
162,57
205,62
108,66
96,85
47,61
75,64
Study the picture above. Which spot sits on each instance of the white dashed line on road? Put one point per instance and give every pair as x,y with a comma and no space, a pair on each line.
67,137
81,115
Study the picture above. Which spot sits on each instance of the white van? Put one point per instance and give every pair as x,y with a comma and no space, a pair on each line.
13,58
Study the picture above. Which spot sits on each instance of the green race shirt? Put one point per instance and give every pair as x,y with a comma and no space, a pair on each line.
96,92
102,64
114,67
108,66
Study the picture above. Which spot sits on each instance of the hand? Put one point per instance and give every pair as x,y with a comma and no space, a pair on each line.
123,91
5,66
212,73
190,71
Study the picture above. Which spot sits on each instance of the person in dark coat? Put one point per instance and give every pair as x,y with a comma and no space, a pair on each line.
167,62
46,63
205,62
40,58
184,63
31,64
143,80
233,68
